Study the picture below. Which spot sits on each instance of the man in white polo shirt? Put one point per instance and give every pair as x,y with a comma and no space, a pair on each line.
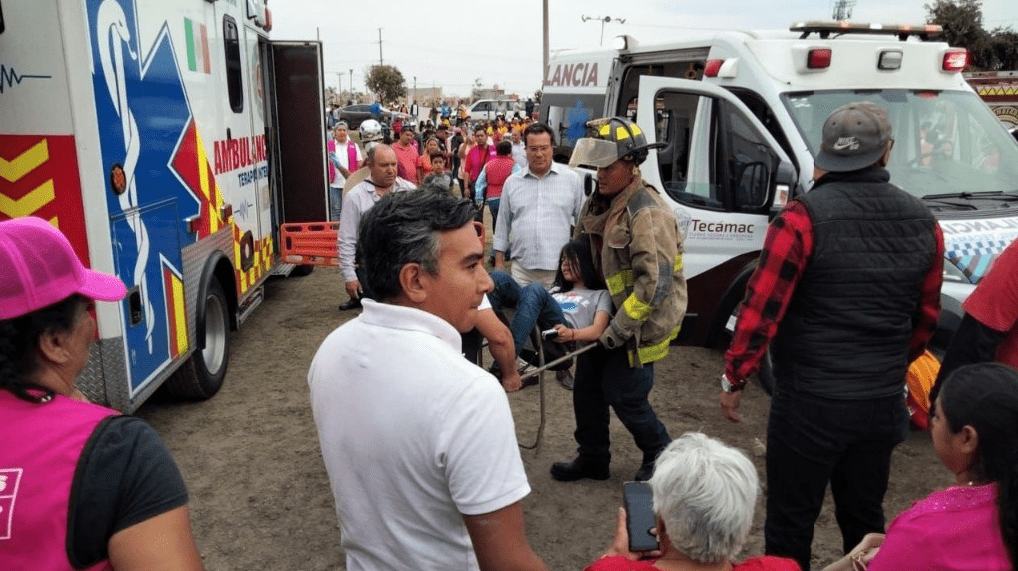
419,443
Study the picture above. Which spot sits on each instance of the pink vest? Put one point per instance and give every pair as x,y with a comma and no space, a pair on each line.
351,157
42,444
496,172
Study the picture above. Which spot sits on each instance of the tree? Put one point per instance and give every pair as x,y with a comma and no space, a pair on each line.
386,82
962,21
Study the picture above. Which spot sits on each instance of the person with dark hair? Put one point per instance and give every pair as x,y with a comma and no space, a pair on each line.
406,150
637,249
421,449
438,176
537,234
989,329
488,189
476,156
80,485
382,165
972,524
845,294
578,306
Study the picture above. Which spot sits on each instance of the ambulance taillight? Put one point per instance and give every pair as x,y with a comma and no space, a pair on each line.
955,60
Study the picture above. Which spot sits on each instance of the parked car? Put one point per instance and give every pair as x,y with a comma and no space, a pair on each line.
355,114
489,109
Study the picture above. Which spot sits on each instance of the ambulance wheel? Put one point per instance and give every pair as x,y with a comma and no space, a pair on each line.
202,375
301,271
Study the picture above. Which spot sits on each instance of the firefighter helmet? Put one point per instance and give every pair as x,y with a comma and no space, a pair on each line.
617,138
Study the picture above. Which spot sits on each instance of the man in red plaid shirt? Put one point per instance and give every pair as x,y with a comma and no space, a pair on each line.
846,294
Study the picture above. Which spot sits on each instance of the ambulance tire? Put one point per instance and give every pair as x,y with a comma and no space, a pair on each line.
301,271
201,377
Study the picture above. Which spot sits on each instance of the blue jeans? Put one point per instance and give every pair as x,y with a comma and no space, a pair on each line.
532,302
335,202
604,379
493,208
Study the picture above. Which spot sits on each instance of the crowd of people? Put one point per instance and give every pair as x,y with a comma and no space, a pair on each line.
442,485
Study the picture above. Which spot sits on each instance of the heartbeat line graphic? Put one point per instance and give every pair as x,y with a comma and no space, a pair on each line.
9,77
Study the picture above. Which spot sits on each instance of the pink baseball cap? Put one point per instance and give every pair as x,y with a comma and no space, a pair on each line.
40,268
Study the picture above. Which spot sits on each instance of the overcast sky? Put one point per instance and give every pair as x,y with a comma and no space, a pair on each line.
451,43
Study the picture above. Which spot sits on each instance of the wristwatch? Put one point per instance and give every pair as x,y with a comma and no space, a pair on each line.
730,387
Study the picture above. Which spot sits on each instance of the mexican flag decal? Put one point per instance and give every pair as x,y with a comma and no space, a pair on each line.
197,47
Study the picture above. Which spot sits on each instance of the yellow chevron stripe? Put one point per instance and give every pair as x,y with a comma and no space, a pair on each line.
24,163
29,203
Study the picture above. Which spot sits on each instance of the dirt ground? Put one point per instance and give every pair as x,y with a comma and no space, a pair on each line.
260,498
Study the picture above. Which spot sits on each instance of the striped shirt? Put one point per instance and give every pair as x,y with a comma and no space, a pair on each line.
359,200
539,213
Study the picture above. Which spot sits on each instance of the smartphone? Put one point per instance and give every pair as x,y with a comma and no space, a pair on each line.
550,334
640,518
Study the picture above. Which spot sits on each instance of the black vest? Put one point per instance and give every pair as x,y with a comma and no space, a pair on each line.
847,329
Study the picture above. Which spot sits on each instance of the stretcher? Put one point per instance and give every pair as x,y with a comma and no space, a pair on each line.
542,368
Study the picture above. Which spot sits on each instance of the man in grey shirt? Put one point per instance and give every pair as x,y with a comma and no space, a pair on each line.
381,163
540,205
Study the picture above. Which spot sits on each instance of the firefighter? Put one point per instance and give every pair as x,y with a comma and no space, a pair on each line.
636,247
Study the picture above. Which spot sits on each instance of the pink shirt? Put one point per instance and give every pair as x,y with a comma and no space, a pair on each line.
407,160
951,530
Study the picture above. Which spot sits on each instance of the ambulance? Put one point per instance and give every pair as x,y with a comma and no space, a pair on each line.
169,140
740,114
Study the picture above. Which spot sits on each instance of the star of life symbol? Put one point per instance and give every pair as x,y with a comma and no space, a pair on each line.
850,143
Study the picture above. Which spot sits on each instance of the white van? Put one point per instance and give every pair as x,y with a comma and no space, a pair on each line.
741,115
489,109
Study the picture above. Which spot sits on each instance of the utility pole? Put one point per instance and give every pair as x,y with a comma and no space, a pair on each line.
339,78
603,21
544,68
351,83
380,47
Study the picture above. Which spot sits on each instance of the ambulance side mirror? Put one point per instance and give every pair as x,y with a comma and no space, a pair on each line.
785,184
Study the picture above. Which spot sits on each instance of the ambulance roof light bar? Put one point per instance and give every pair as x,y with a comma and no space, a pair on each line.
824,29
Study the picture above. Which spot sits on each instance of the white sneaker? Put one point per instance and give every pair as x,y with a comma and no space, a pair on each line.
524,366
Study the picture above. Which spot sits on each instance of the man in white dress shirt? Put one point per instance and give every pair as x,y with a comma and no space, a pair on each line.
540,205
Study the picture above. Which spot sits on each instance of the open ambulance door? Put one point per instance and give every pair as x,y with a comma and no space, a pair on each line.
297,131
725,176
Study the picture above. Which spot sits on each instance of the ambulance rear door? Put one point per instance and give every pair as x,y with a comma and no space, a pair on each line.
725,176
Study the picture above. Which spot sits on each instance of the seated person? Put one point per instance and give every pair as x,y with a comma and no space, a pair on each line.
973,524
704,496
579,309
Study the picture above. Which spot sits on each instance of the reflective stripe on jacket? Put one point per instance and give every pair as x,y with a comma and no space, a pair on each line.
636,246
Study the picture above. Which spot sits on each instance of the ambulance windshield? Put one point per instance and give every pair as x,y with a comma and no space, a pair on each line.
945,142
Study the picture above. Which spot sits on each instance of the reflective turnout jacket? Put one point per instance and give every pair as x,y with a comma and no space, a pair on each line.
636,246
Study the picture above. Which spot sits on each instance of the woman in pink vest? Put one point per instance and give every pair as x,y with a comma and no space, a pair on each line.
81,487
344,158
493,176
